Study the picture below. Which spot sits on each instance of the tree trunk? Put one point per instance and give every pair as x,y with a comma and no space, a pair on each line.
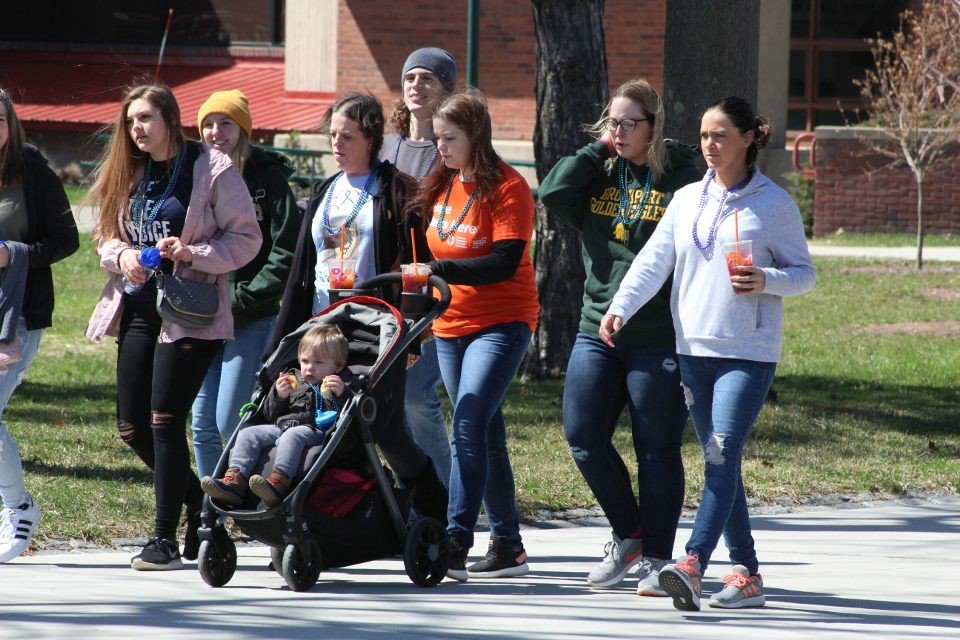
711,51
919,178
571,90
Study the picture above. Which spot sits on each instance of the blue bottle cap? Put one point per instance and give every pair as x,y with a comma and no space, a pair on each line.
150,257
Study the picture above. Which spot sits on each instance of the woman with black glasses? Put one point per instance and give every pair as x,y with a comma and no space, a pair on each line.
614,191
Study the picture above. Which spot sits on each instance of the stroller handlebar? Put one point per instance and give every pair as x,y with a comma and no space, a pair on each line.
384,279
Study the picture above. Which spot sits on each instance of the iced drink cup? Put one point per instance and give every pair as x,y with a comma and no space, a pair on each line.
415,276
737,254
343,273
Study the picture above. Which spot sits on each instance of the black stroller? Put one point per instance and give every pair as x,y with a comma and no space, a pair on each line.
304,536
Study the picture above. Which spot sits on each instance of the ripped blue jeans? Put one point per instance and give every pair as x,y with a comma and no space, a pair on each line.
724,397
601,381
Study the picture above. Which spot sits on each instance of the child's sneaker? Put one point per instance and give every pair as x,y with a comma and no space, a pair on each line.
159,554
620,557
648,577
457,566
501,561
229,490
16,529
271,490
682,582
740,590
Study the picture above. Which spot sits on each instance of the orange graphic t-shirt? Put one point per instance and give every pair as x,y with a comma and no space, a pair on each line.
506,214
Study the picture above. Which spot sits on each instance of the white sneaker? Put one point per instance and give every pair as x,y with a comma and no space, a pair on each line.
17,528
619,557
648,577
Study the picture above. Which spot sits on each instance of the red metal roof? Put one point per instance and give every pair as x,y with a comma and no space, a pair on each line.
83,90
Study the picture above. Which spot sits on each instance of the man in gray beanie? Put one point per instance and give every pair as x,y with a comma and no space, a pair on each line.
440,62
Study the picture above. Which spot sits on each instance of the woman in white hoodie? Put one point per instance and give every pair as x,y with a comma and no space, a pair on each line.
728,327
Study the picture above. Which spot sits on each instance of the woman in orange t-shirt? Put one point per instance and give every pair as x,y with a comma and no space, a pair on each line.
481,217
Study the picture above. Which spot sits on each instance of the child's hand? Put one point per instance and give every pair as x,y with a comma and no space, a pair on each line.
286,383
332,386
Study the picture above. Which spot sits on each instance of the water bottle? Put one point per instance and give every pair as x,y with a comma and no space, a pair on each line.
149,258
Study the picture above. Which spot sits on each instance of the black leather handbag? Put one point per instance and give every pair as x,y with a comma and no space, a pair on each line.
186,302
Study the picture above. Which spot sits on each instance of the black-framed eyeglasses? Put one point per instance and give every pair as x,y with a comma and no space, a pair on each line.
628,124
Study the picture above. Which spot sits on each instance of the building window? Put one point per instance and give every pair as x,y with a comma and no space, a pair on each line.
141,22
828,52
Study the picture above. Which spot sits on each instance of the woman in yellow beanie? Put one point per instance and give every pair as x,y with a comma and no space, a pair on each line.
255,289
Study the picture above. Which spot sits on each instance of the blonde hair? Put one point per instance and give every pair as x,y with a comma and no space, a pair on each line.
328,340
120,160
641,93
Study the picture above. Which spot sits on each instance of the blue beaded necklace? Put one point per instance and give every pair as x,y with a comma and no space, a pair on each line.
362,200
443,210
627,217
140,201
716,218
396,156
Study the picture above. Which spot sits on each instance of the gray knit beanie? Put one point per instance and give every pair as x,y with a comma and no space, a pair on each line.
438,61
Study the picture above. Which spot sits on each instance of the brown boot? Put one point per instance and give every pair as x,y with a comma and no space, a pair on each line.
230,489
271,490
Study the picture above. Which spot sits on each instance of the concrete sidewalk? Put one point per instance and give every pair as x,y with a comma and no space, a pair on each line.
874,572
933,254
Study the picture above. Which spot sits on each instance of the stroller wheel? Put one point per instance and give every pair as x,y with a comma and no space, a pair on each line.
300,573
426,552
217,560
276,559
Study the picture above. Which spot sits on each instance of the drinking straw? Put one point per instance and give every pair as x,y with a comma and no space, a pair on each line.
736,233
343,232
413,243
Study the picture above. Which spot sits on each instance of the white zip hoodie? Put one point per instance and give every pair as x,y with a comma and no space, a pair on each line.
709,318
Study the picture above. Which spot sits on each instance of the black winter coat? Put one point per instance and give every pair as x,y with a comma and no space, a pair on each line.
51,235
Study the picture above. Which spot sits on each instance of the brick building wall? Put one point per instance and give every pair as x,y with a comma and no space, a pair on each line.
855,191
375,38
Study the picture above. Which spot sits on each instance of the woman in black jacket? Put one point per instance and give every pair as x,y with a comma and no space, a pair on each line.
36,230
356,215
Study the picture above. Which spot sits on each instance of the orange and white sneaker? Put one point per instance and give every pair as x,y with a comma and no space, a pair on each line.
681,581
740,590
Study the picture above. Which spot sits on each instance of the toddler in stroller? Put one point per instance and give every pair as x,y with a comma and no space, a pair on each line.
302,406
304,533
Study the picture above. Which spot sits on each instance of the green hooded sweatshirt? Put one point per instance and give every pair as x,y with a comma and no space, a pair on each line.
256,288
583,190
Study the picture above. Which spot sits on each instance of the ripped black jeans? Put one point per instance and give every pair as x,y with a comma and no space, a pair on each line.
156,385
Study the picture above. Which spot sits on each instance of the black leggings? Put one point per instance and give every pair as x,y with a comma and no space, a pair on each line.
157,383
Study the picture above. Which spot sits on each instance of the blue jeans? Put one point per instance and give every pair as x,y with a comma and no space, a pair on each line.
724,397
600,381
423,411
477,371
227,387
291,446
12,489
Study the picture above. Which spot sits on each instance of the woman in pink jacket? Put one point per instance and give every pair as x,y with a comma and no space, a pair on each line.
156,190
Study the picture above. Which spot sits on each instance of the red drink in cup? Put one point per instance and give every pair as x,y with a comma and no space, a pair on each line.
343,273
415,277
737,254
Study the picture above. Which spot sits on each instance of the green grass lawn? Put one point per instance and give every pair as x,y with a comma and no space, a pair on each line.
860,407
75,193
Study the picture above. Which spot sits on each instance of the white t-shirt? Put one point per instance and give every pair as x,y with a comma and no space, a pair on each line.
357,242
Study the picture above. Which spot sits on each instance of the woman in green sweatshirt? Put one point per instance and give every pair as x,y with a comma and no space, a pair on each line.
614,191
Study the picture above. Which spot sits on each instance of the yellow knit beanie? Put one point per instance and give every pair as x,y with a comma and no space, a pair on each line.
233,104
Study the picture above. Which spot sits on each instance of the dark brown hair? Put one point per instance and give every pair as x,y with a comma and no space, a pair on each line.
11,155
366,111
741,115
